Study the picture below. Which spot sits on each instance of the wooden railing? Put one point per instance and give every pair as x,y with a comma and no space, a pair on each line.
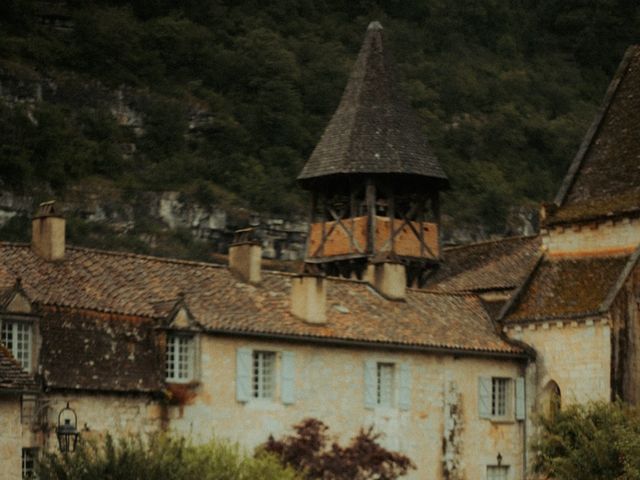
346,238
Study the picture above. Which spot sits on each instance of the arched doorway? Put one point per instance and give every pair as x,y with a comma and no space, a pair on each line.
550,399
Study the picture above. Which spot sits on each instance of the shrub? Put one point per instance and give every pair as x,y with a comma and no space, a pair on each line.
595,441
363,459
160,458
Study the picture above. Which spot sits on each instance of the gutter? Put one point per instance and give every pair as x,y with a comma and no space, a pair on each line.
376,345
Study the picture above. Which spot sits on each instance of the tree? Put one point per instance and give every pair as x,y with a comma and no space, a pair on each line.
363,459
591,442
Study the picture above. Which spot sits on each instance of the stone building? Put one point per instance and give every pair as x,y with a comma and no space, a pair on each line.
448,352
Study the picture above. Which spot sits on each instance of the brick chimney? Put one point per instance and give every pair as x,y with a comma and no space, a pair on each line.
47,232
245,256
389,278
309,298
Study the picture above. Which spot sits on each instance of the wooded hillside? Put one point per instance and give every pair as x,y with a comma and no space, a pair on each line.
507,89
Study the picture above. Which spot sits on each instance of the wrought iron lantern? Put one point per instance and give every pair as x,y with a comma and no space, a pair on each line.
67,430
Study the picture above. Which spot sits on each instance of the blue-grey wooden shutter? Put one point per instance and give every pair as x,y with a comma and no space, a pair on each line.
520,405
287,391
244,359
404,387
484,397
370,382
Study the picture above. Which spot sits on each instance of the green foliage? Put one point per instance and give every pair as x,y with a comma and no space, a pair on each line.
507,90
160,458
593,442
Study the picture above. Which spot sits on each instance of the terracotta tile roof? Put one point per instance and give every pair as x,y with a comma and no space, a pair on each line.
374,129
567,287
12,378
604,178
134,285
494,265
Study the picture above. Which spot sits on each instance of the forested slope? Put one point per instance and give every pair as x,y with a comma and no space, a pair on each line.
507,89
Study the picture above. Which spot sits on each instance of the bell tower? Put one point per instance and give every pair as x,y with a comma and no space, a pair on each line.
374,180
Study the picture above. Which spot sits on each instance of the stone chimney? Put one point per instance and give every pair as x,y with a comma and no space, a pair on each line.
245,256
389,278
47,232
309,298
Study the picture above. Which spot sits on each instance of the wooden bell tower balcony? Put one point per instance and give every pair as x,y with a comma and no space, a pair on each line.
376,218
357,237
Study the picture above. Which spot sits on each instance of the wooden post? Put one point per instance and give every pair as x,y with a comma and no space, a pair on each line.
435,207
371,215
314,207
391,211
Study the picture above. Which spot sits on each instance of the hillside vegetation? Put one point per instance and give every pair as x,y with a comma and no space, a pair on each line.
507,89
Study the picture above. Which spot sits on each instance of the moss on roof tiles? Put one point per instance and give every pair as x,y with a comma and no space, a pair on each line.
494,265
607,180
567,287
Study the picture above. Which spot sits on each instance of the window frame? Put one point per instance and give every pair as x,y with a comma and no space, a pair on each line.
29,454
19,355
258,381
505,469
501,399
174,367
388,399
512,399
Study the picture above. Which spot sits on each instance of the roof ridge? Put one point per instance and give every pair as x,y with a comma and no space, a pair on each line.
590,136
461,293
495,240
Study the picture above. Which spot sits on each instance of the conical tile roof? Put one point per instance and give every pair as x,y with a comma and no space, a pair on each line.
374,130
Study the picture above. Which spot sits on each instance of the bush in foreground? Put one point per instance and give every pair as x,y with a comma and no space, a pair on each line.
590,442
160,458
309,452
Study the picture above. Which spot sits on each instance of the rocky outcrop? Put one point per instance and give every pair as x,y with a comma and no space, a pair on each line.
122,212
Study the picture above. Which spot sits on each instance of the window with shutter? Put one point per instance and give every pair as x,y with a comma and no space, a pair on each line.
520,399
370,370
288,378
243,374
496,398
404,387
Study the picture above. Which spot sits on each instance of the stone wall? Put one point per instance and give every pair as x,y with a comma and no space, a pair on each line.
98,414
439,431
575,354
10,438
598,237
329,385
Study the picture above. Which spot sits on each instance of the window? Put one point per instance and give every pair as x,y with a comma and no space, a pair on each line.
502,398
260,376
384,384
29,456
264,378
499,396
16,337
387,384
497,472
180,358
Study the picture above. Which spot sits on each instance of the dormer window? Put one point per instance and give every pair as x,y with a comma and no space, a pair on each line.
180,358
17,337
